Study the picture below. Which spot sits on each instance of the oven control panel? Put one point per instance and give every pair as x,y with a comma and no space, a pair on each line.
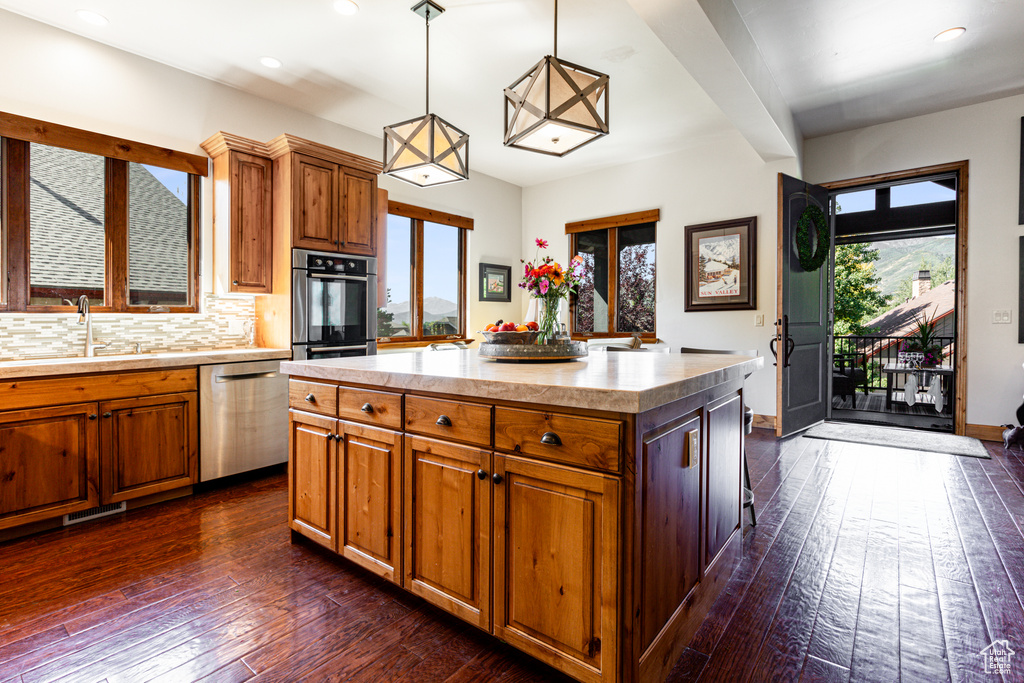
335,264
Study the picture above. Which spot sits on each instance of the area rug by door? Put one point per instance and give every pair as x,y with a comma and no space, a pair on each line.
910,439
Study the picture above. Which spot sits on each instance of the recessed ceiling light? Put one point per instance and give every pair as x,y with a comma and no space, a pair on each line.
950,34
270,62
90,17
346,7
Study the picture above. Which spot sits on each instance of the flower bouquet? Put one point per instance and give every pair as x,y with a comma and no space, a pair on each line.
547,281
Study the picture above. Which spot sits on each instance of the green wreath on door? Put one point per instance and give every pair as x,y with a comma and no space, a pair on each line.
812,260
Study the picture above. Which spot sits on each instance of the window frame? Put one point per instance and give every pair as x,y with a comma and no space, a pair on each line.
16,135
418,216
612,225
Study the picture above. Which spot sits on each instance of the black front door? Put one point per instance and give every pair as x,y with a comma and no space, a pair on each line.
802,329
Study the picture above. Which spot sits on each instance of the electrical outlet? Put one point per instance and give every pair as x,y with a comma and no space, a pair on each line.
1001,317
759,320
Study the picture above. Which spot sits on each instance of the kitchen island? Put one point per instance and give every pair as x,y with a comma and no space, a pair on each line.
587,513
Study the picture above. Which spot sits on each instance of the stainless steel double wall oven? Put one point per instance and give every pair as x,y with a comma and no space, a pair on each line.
334,305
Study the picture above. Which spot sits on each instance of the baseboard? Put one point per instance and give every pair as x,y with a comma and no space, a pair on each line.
767,421
984,432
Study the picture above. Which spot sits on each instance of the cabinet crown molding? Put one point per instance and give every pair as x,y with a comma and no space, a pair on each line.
285,143
221,142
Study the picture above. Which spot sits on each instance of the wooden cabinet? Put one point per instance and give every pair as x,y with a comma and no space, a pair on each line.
556,559
312,478
148,445
127,436
724,458
243,212
49,463
369,498
448,527
327,198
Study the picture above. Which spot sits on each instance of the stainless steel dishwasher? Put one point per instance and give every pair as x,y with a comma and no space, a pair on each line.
243,417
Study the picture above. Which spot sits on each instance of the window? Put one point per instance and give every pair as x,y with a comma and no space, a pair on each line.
421,276
619,296
121,230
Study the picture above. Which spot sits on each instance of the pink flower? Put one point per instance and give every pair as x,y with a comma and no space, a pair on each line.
542,244
543,286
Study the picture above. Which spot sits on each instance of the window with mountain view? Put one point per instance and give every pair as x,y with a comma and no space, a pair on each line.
422,276
618,296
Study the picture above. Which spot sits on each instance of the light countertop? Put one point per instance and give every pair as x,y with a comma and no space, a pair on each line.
45,367
617,382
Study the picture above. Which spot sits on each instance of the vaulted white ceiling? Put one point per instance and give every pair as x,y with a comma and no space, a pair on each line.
682,71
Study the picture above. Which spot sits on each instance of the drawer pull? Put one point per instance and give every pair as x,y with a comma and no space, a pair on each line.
310,398
92,416
444,421
367,408
106,414
481,475
496,478
551,439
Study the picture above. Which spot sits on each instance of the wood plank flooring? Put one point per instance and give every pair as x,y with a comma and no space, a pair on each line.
867,564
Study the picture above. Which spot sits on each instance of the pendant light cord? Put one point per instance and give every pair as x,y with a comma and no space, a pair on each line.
427,17
556,29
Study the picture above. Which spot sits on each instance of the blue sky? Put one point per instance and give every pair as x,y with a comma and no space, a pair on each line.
175,181
900,195
440,260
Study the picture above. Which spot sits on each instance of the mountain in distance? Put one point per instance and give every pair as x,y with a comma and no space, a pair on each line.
722,250
434,308
898,260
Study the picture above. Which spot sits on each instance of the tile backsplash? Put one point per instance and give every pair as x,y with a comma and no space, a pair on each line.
223,323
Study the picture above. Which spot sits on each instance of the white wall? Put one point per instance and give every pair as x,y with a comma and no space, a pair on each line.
717,181
63,78
988,136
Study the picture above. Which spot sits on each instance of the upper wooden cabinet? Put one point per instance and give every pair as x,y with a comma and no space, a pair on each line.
325,198
243,211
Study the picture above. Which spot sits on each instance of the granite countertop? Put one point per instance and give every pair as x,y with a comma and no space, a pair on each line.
617,382
17,369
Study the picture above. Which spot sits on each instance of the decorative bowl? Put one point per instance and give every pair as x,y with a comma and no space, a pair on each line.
527,337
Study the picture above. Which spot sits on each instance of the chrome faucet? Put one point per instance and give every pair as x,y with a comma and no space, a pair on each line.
84,316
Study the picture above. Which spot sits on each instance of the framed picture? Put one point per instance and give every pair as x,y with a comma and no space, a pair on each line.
721,265
495,282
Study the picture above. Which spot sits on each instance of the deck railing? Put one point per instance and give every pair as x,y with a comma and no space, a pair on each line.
872,352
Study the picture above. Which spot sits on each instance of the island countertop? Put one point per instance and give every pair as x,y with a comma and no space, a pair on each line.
618,382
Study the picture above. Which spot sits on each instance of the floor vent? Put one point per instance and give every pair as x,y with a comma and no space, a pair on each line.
94,513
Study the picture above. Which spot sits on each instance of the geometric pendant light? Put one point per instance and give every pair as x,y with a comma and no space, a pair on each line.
556,107
427,150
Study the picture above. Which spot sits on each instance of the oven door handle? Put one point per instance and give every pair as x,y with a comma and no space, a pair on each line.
331,276
318,349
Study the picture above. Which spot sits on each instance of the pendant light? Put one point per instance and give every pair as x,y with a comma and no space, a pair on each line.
427,150
556,106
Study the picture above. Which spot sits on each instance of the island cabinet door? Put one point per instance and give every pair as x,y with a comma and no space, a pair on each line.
448,527
312,477
369,498
723,473
148,445
556,559
49,463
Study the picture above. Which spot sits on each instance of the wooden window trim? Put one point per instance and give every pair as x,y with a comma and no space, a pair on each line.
16,134
418,216
622,220
611,224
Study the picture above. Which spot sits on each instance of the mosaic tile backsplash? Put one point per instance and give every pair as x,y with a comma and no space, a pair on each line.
225,322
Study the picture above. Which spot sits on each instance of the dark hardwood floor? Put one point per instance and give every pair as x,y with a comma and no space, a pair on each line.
867,564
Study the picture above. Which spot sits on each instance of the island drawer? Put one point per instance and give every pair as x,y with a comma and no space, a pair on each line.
373,407
586,441
451,420
315,397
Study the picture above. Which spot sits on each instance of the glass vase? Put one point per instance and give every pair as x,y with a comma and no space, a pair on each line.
548,319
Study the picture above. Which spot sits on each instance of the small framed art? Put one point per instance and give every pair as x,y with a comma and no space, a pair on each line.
495,282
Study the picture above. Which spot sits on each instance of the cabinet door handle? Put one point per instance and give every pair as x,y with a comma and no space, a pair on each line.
551,439
107,414
92,416
481,475
444,421
367,408
496,478
234,282
310,398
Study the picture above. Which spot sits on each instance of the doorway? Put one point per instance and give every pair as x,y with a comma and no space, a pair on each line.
869,363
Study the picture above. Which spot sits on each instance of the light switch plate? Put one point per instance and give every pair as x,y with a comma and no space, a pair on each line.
759,320
1001,316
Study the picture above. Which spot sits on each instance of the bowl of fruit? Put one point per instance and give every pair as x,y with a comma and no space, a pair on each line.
503,332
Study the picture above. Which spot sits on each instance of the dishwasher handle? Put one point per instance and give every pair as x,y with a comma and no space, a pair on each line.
248,375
